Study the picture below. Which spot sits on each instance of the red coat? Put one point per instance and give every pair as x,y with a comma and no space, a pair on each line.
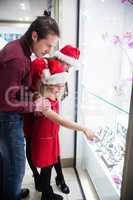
45,140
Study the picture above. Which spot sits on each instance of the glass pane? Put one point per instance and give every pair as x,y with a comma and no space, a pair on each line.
107,50
105,91
104,158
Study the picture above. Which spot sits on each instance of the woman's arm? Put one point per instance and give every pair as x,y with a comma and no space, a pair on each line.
68,124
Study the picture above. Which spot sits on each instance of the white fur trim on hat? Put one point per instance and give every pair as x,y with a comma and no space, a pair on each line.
58,78
45,75
69,60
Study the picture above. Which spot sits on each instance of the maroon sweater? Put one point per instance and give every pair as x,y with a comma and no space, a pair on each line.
15,77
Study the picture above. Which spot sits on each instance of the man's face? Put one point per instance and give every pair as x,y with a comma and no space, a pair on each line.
43,46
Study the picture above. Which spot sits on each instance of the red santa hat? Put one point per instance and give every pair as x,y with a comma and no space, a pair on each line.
54,73
69,55
37,66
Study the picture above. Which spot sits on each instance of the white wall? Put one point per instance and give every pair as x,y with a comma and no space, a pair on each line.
68,22
13,10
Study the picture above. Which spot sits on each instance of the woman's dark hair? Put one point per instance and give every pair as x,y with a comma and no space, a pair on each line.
47,13
43,25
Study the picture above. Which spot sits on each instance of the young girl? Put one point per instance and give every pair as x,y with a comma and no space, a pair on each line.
68,56
45,140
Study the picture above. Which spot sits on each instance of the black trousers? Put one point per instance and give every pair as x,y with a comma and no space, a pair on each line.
28,155
45,179
58,167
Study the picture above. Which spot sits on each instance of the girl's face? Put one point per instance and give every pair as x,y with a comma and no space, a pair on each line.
65,66
56,89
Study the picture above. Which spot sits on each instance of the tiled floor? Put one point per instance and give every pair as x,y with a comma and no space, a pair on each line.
88,187
70,178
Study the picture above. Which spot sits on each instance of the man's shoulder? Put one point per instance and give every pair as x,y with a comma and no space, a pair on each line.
13,50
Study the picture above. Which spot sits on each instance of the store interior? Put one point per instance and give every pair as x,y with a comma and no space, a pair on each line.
100,92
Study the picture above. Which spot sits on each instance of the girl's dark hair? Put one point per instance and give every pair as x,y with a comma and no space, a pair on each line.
43,25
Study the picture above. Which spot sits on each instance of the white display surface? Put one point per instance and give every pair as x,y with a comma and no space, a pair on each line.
106,35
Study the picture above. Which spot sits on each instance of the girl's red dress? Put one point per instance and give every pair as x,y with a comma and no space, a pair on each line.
42,132
45,139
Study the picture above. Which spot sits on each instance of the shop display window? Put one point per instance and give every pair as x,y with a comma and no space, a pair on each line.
105,83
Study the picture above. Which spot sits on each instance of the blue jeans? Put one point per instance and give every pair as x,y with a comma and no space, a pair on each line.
11,133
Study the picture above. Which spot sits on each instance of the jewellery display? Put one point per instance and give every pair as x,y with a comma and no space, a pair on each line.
110,147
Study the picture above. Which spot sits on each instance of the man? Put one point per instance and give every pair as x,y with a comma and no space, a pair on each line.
16,97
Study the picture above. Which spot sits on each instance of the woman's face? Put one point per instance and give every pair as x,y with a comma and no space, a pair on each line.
43,46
